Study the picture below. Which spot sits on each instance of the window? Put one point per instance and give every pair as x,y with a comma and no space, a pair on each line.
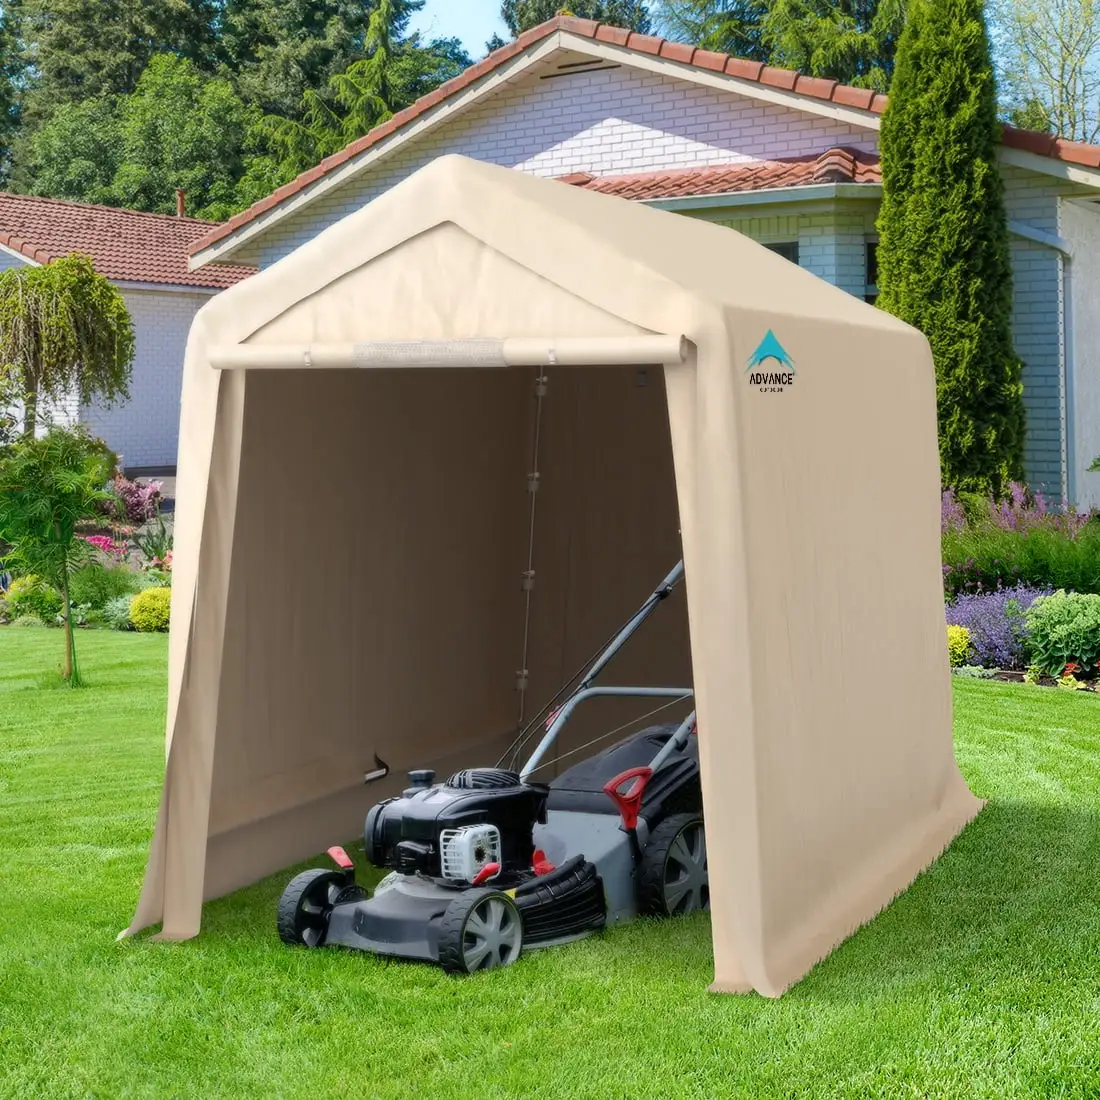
870,291
787,249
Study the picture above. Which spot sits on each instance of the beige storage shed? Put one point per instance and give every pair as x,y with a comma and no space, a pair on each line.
358,428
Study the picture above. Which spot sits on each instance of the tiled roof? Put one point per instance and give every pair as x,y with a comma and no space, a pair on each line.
754,71
835,166
125,245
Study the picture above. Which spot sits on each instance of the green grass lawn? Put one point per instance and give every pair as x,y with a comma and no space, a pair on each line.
983,980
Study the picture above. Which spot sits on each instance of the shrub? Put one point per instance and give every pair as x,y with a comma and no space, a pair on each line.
31,595
149,610
1064,629
116,613
989,544
974,672
96,585
958,645
131,502
984,558
82,614
4,613
996,624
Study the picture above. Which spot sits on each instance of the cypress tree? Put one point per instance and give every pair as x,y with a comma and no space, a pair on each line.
943,255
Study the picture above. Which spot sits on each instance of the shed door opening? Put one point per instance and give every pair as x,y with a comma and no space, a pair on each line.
383,529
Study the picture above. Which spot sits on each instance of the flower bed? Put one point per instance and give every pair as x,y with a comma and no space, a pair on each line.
1023,580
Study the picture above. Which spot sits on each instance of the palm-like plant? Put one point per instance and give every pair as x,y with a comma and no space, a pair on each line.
47,486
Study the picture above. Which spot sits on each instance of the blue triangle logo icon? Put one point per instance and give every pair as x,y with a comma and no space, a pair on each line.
770,348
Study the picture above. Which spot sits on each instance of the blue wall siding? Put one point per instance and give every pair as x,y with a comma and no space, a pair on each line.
7,260
1038,326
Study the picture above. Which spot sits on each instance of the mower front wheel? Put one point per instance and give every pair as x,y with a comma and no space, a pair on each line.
307,904
673,876
480,930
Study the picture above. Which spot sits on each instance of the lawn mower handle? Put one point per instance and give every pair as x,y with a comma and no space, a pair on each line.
579,697
663,590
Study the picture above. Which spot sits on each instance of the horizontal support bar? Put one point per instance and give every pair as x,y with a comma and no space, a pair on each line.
593,351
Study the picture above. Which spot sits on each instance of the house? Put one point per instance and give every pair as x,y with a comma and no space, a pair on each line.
789,160
145,256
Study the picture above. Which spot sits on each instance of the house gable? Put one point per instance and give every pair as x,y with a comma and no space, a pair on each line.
577,46
609,120
562,49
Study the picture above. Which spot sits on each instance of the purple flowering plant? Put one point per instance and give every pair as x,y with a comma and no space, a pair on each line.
992,544
1020,510
997,623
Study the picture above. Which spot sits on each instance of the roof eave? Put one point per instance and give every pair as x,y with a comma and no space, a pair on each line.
725,81
770,196
19,255
1050,166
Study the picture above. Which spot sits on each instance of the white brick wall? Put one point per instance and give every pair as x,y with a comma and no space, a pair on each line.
145,429
831,243
605,122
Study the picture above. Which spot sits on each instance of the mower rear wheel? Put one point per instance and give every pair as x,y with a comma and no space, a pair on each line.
673,876
480,930
307,903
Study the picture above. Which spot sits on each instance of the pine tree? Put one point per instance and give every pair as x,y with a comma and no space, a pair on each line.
12,72
852,41
394,71
278,51
943,256
522,15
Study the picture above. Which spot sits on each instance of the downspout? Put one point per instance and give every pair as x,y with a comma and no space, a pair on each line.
1065,353
1068,346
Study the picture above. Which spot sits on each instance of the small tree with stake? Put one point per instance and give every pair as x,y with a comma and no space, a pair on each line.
64,330
47,486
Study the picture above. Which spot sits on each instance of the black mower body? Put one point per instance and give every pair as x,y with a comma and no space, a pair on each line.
402,834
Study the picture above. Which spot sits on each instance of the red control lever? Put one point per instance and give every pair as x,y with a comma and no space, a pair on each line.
486,872
341,858
629,802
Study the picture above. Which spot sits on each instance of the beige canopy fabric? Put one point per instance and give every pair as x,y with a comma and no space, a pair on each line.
353,523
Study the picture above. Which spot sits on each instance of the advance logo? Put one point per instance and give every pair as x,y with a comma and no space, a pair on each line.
771,352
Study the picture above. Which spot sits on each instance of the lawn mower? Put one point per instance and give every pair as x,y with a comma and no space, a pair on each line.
490,862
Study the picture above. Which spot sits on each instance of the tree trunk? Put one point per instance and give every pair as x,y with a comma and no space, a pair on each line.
30,412
70,675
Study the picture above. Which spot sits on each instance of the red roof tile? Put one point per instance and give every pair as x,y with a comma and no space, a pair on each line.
751,71
125,245
838,165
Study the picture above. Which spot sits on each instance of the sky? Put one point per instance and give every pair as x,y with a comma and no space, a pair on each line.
474,21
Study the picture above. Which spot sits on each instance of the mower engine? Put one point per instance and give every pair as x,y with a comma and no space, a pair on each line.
476,825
